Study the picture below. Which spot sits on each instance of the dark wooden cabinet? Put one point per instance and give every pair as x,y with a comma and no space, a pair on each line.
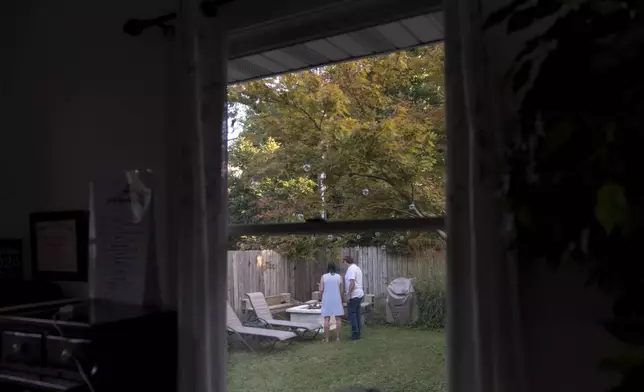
60,346
21,348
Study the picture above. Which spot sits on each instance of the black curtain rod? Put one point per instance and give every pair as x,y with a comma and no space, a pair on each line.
135,27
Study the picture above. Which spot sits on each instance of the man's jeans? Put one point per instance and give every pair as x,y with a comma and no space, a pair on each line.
353,313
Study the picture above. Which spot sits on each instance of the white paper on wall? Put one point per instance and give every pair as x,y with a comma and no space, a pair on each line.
122,221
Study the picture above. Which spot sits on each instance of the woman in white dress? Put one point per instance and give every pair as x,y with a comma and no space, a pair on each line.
331,291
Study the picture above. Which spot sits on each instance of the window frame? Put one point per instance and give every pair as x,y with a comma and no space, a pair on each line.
331,227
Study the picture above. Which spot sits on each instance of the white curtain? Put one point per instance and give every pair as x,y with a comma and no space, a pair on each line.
484,342
199,209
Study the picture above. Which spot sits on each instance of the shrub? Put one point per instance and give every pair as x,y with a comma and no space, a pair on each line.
431,296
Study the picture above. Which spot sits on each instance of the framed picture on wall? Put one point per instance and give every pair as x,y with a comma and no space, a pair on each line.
60,245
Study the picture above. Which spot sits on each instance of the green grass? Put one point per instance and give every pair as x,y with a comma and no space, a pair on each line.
389,358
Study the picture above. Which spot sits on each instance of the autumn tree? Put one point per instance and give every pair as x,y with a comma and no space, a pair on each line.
357,140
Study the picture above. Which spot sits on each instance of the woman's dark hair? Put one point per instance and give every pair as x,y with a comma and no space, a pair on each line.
330,268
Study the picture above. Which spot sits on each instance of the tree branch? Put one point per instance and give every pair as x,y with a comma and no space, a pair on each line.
293,104
405,196
441,233
296,106
372,176
319,128
406,213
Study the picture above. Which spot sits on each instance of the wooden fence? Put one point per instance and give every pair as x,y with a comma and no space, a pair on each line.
268,272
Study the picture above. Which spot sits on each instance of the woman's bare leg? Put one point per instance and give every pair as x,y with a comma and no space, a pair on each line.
338,327
327,321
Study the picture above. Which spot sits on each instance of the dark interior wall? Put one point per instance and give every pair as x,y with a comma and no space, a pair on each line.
16,168
80,99
102,95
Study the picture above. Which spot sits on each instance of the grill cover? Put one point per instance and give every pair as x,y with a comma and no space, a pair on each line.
402,307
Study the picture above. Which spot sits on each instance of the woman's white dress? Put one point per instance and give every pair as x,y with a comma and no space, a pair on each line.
331,297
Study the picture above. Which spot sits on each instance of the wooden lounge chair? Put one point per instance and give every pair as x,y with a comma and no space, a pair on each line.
265,316
235,327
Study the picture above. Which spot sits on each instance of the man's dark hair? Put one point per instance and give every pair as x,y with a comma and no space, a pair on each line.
330,268
348,259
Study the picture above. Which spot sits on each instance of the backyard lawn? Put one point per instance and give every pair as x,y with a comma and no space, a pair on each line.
392,359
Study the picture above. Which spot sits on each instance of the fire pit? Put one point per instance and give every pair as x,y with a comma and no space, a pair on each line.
308,313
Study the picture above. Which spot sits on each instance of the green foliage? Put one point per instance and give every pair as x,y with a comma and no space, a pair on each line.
574,172
375,124
431,295
611,208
